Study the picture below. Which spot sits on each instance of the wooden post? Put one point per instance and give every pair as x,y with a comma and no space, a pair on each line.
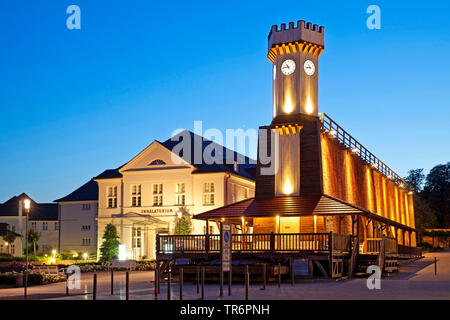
272,242
279,275
67,284
292,272
181,283
112,282
247,283
94,288
435,266
230,280
169,285
264,275
198,279
157,280
203,283
221,282
127,285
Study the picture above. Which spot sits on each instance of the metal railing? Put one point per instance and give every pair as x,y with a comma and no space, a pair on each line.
252,243
348,141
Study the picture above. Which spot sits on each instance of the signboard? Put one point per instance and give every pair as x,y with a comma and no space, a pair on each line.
226,247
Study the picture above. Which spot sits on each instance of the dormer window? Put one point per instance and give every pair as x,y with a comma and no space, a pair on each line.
157,162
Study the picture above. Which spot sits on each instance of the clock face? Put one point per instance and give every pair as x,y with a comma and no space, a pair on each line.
309,67
288,67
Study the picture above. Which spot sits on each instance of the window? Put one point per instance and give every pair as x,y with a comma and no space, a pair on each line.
87,206
137,237
44,226
208,194
180,198
112,197
234,193
86,242
86,227
56,225
135,195
157,194
34,225
157,162
247,193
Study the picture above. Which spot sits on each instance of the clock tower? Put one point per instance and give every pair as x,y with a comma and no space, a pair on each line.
294,53
293,137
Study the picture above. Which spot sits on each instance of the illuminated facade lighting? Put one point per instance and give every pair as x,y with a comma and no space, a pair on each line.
355,150
332,133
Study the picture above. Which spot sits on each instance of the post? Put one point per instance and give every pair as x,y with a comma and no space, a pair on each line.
67,283
157,280
169,285
279,275
198,279
181,283
94,288
112,282
203,283
230,280
435,266
247,282
264,275
26,253
272,242
221,282
127,285
292,272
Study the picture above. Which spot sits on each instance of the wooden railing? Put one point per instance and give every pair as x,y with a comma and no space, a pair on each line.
337,132
249,243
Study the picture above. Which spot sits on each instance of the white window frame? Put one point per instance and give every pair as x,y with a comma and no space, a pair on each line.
157,191
111,197
180,194
208,193
136,195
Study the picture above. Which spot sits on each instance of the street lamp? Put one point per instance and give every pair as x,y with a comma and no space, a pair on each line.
27,205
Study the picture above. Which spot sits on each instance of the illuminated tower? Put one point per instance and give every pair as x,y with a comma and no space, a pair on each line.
294,53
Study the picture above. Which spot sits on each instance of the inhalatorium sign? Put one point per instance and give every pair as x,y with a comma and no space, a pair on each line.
226,247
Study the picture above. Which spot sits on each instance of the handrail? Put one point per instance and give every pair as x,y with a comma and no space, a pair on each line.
347,140
248,243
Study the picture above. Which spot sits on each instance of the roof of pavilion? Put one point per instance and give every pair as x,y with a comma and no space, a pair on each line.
321,205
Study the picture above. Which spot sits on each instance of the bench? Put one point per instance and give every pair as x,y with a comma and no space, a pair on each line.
51,270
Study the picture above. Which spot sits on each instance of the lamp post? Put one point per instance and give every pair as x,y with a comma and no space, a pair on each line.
27,205
179,214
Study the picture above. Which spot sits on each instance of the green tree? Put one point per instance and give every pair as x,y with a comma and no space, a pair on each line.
415,179
424,216
110,246
9,237
183,225
437,193
33,238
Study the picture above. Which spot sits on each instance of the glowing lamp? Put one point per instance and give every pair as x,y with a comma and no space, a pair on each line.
122,252
287,188
53,252
355,150
85,256
179,214
27,204
333,133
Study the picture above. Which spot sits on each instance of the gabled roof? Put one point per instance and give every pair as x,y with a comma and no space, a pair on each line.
247,166
87,192
38,212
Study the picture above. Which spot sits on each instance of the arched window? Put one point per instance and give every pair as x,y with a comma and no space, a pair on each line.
157,162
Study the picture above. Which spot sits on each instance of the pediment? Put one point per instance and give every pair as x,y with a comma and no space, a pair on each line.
155,156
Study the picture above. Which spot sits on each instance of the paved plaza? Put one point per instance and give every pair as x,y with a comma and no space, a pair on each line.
416,280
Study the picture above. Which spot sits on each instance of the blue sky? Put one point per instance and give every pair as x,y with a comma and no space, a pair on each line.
75,102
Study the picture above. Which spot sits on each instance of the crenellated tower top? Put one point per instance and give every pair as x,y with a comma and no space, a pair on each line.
305,36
